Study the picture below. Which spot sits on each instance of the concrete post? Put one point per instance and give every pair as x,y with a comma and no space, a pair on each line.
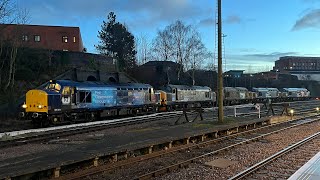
203,137
150,149
187,140
216,134
125,155
115,157
95,161
57,172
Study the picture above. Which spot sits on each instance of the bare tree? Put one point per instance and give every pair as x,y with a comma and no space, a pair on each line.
197,53
179,40
11,41
180,43
161,45
143,49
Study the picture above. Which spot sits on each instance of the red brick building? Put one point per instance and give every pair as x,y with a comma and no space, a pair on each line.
297,63
44,37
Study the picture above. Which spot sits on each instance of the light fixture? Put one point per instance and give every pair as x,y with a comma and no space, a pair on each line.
24,106
291,111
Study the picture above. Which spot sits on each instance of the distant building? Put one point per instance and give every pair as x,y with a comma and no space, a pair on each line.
296,63
305,68
45,37
269,75
233,73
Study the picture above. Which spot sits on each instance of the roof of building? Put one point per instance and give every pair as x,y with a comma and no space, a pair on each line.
37,25
157,63
234,71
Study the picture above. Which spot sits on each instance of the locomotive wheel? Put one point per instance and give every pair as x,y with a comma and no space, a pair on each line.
90,116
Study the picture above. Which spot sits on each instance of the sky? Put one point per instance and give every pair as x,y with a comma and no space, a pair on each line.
257,32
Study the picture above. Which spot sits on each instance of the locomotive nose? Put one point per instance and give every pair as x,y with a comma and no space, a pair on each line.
36,101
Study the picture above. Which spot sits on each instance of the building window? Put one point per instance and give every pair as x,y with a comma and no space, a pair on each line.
24,38
37,38
74,39
65,39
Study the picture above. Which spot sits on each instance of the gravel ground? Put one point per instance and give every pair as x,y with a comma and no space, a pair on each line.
284,166
33,149
245,156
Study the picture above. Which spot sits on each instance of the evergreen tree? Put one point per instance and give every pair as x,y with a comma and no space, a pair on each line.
117,41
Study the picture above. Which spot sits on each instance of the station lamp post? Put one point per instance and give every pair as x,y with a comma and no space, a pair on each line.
291,113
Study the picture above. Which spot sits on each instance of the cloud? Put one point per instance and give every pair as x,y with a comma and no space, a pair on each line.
133,11
233,20
207,22
246,50
255,62
272,55
309,20
257,58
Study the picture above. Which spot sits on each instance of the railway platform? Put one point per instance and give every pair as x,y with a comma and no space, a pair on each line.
309,171
75,150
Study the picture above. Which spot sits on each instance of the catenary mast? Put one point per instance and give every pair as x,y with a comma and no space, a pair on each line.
220,78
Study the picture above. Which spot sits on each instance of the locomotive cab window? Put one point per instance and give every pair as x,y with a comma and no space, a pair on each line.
66,90
207,95
85,96
54,86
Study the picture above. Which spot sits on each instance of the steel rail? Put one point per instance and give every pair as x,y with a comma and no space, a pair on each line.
186,162
273,157
47,135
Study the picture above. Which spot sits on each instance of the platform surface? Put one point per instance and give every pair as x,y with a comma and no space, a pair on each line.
109,144
309,171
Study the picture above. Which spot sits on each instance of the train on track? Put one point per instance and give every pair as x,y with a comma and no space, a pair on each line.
69,101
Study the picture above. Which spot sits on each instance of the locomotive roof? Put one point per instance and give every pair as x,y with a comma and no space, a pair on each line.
235,89
188,87
101,84
295,89
265,89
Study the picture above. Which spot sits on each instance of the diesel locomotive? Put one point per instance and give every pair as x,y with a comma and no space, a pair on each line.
68,101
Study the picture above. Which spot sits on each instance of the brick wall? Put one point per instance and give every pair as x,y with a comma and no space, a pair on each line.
44,37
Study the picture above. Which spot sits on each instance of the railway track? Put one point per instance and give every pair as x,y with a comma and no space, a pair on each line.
232,142
308,107
195,144
187,153
59,131
40,136
284,163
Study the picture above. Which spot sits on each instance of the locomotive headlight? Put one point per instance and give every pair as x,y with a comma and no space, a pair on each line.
24,106
39,106
317,109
